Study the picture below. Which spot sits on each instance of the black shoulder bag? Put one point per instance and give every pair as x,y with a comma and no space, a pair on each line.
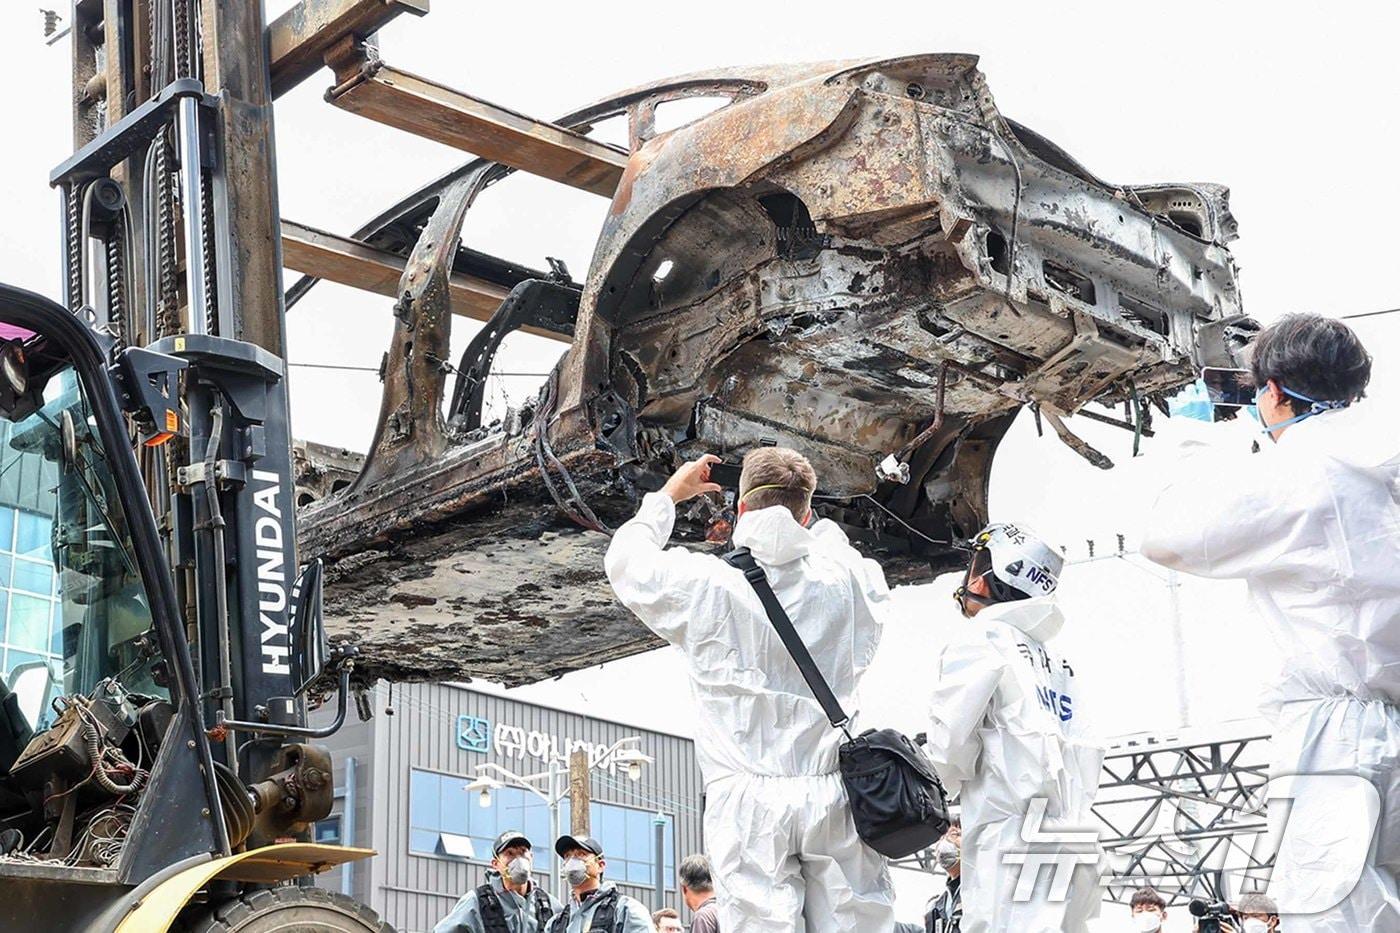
897,801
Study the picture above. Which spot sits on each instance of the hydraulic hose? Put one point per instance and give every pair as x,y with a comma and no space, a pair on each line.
216,532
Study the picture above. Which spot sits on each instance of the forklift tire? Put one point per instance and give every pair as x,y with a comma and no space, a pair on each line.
289,907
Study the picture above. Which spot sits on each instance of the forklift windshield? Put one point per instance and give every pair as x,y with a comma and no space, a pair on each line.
70,594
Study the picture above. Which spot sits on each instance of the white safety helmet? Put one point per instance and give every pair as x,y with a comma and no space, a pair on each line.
1019,563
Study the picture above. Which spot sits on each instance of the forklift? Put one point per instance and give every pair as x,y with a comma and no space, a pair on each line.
157,771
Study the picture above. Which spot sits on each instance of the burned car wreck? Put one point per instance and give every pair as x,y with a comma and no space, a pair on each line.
864,261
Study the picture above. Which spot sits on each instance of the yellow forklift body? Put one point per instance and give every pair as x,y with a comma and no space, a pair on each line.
267,865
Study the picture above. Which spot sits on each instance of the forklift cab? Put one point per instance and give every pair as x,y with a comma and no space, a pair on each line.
77,613
111,787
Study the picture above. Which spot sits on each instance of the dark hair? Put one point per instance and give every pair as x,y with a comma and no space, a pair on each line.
695,874
1146,897
1316,356
664,913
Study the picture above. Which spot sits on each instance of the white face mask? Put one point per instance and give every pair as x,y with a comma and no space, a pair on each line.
946,853
518,871
1147,921
575,871
1255,925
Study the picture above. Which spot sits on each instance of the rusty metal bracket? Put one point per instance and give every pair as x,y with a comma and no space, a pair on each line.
348,261
548,306
299,39
1073,441
896,468
1139,427
411,429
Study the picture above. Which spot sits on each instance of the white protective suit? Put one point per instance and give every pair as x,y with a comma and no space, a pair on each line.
1008,728
778,827
1312,523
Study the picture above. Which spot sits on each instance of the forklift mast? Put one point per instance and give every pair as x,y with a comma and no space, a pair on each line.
164,772
172,123
172,244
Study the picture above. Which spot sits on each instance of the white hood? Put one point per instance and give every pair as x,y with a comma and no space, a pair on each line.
1357,436
773,535
757,716
1040,618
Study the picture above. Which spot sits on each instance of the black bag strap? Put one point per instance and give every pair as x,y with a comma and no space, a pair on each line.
744,561
606,917
543,909
493,912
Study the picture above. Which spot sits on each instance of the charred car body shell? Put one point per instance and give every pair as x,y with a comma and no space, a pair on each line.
851,259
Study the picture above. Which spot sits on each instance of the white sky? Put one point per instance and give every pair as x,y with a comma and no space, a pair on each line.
1293,109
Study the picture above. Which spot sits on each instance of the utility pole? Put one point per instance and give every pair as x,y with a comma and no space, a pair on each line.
1178,636
579,793
1183,689
557,876
577,770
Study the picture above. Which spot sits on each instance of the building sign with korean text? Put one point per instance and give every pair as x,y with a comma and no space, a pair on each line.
477,734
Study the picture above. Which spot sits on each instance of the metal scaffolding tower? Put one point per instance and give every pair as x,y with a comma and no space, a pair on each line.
1185,817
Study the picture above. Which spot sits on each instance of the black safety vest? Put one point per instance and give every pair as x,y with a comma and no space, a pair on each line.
493,912
946,914
605,918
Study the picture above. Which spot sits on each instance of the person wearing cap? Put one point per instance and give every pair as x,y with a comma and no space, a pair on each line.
595,905
509,901
778,825
1008,732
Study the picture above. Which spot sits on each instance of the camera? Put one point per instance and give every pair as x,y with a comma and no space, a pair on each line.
1209,915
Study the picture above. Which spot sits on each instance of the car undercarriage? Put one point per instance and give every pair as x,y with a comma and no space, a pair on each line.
864,261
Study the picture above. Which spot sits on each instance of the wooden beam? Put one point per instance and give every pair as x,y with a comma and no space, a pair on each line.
359,265
425,108
298,39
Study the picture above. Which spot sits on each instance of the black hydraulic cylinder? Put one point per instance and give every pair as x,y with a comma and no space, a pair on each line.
253,473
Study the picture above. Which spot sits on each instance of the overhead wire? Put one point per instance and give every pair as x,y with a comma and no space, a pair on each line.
658,796
1352,317
347,367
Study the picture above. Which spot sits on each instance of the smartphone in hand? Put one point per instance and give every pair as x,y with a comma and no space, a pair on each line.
726,474
1228,386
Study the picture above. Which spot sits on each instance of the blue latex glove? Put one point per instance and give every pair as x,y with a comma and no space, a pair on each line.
1194,402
